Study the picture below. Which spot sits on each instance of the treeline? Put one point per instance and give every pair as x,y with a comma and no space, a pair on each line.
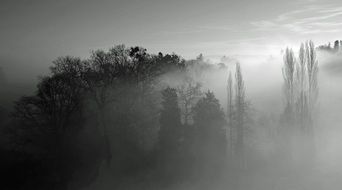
122,110
337,47
125,113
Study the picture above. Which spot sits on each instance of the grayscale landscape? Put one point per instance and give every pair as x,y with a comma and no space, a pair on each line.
171,95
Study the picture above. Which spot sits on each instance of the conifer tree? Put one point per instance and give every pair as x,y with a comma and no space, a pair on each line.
170,122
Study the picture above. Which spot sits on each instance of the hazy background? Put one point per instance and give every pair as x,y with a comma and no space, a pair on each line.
34,32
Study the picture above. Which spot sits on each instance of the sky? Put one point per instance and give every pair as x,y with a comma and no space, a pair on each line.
35,32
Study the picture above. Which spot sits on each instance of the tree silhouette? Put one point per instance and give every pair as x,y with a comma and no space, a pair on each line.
210,122
50,120
58,98
189,93
170,134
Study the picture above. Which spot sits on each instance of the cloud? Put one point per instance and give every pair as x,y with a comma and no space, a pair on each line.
197,29
311,19
180,32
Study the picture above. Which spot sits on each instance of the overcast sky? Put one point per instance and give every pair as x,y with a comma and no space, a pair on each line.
34,32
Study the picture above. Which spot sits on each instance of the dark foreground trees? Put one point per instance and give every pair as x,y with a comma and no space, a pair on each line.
170,136
86,111
171,132
125,114
48,128
210,123
112,113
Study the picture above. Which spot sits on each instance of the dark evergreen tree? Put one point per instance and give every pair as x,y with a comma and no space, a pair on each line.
170,136
209,120
170,133
209,117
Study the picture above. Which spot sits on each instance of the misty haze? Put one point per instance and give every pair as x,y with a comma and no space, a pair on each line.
171,95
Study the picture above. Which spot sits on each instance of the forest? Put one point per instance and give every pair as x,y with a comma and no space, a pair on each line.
124,118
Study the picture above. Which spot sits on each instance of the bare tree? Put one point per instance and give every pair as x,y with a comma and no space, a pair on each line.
57,100
189,93
307,71
101,78
312,70
291,72
301,93
289,76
